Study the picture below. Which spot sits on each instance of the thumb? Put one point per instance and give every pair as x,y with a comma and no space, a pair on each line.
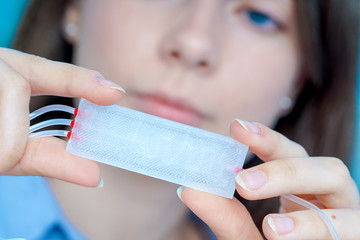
227,218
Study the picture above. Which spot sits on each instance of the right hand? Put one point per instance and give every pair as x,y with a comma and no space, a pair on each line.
24,75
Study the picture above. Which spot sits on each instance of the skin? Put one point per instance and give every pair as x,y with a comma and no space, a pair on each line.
234,50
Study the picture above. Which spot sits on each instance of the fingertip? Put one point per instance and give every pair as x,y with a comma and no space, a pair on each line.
277,225
92,86
105,96
101,184
179,192
267,227
109,84
240,127
105,92
248,133
250,127
88,176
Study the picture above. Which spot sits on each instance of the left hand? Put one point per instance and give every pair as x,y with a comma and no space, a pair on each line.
324,181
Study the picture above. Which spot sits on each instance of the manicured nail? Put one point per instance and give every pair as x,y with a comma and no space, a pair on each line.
281,224
251,180
101,184
249,126
106,83
179,191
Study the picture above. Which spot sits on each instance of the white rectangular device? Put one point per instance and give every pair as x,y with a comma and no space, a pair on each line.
157,147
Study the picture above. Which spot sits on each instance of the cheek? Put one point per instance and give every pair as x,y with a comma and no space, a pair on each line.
256,79
114,38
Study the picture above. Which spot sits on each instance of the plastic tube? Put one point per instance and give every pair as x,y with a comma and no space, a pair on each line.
317,210
51,122
49,133
51,108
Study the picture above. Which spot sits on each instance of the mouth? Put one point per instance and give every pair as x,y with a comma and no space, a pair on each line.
172,108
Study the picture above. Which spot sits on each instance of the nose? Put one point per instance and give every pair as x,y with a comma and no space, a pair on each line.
191,43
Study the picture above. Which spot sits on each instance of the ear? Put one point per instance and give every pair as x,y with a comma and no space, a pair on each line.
71,22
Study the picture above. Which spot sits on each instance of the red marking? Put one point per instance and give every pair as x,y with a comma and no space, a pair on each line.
78,125
237,170
69,135
72,123
76,137
76,111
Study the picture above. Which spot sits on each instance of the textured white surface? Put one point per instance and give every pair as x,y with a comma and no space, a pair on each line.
157,147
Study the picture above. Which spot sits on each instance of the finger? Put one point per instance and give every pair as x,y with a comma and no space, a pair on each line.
62,79
308,225
266,143
227,218
14,116
47,157
326,177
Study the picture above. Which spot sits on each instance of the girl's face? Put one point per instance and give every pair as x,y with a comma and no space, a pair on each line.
200,62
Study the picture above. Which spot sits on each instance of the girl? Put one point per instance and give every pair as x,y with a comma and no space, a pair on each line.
287,65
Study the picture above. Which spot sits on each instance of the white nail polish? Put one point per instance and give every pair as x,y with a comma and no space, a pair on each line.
271,223
106,83
249,126
179,191
101,184
281,224
242,123
240,182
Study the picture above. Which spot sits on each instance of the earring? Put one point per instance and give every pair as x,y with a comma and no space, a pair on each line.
285,103
71,29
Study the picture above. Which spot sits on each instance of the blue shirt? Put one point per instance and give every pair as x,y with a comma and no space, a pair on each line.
28,209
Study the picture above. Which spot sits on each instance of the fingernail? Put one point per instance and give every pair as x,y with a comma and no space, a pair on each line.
179,191
281,224
251,179
101,184
249,126
106,83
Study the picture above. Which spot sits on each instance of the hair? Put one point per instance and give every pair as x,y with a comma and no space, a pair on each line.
322,119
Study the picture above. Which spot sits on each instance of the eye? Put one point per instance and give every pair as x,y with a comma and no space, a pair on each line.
260,19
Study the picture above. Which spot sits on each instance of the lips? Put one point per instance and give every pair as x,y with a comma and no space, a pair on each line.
170,108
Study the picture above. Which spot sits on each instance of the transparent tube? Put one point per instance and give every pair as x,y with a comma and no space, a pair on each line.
49,133
48,123
317,210
51,108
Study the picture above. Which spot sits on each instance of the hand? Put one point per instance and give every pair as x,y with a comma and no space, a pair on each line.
288,169
23,75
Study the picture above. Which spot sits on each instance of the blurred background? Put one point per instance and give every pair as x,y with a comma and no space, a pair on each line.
11,12
10,15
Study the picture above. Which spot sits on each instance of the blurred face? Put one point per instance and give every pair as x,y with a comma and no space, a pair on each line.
199,62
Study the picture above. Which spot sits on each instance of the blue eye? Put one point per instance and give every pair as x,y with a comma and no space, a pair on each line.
260,19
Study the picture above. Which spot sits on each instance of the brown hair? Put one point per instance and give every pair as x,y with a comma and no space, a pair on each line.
322,119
